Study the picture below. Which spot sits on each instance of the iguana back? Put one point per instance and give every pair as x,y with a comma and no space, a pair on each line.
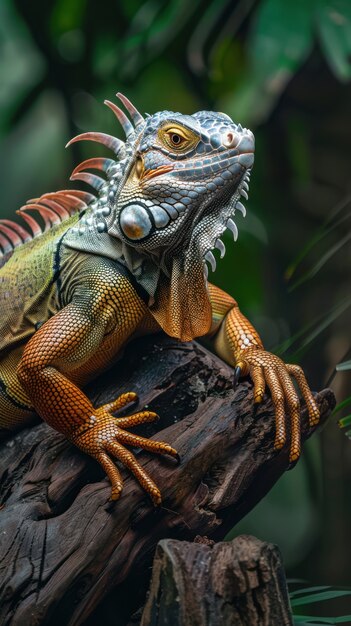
28,285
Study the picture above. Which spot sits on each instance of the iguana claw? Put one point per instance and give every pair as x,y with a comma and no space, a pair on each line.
237,373
105,439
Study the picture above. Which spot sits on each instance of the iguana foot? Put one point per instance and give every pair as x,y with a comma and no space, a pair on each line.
267,369
104,438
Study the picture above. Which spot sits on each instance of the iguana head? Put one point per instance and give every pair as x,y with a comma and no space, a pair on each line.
178,184
183,183
170,196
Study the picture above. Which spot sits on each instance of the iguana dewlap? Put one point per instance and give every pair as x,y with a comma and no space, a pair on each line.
126,261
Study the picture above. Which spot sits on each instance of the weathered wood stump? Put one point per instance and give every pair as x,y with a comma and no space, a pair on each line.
236,583
64,547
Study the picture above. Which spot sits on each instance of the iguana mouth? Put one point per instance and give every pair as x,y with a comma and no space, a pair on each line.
148,174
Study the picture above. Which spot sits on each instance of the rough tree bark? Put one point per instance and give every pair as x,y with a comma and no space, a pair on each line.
64,547
236,583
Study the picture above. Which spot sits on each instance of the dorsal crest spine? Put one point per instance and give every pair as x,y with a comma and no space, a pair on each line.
55,207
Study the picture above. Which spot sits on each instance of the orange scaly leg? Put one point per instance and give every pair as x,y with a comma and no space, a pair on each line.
238,343
60,347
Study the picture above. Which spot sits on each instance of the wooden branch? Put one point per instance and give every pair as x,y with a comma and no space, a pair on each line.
63,546
241,582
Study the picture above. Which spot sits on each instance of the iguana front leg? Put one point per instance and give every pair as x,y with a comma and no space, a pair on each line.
237,342
54,358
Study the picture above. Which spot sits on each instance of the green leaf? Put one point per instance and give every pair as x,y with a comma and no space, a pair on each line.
318,621
342,405
319,597
314,329
305,623
341,367
333,20
279,43
345,421
305,590
295,581
330,224
326,322
154,26
67,15
323,259
282,36
201,34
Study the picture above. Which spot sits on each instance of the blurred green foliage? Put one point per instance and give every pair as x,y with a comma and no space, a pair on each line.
282,67
307,597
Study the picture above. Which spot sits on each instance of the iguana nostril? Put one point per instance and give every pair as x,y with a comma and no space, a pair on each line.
230,140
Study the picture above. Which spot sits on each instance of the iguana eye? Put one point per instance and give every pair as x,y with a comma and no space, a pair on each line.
178,138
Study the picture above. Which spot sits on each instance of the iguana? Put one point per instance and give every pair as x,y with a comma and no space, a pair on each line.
128,260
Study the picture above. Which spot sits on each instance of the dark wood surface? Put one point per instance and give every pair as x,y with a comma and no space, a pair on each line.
234,583
64,547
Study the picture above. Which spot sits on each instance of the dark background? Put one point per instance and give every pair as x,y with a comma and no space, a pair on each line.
280,67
